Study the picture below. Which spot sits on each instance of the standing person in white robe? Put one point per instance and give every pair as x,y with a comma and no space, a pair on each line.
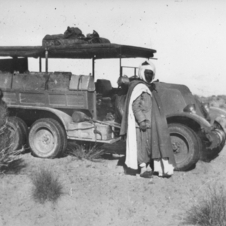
137,124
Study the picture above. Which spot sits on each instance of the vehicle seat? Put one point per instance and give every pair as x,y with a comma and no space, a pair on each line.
103,86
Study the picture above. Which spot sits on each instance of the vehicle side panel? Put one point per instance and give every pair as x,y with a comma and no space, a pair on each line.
73,99
60,90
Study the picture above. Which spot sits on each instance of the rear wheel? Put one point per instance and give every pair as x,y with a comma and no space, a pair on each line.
47,138
186,146
23,128
16,130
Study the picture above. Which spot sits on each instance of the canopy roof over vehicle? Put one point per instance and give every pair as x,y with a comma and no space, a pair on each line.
80,51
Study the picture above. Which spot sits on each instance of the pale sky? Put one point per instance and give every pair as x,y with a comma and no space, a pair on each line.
189,36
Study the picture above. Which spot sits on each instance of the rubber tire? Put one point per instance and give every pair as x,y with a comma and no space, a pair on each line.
192,143
17,140
55,130
24,129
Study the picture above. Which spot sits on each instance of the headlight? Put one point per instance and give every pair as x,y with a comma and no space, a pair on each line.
190,108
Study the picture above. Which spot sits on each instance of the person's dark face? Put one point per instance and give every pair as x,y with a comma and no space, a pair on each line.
148,74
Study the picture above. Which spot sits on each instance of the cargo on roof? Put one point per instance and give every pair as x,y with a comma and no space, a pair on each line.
80,51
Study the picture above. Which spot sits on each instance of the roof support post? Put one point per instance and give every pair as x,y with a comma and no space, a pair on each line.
93,67
120,65
15,66
40,64
46,56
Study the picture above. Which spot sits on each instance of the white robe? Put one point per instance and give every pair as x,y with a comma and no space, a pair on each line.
131,141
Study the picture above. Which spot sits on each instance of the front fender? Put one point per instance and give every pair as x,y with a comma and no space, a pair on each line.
198,120
212,133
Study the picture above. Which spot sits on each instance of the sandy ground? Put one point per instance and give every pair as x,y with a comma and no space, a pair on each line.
99,193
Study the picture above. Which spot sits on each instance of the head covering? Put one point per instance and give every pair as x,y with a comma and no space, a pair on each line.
146,65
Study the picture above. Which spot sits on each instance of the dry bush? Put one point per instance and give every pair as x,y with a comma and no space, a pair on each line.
85,151
46,187
210,208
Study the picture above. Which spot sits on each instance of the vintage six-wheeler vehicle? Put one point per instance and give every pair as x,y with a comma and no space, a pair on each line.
46,109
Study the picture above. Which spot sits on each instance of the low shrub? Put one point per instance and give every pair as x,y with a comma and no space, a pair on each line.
85,151
46,187
209,209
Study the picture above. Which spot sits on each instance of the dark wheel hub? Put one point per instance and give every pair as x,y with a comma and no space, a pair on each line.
46,139
176,148
180,147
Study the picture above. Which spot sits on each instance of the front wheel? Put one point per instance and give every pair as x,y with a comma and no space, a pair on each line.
47,138
186,146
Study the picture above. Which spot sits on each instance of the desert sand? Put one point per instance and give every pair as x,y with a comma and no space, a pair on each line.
100,193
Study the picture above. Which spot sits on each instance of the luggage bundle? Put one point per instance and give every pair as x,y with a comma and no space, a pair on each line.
71,37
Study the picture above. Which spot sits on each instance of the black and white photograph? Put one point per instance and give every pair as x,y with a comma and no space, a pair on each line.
112,113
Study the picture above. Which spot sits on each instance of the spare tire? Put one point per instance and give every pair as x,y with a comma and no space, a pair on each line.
186,146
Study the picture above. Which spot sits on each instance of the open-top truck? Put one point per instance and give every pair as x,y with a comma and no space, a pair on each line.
46,109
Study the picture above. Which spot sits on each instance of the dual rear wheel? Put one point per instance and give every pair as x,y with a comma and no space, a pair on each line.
16,133
46,138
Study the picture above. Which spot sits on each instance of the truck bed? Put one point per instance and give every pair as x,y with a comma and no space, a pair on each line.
55,90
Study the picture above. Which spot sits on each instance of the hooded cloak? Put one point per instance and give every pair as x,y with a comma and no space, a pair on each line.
161,143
